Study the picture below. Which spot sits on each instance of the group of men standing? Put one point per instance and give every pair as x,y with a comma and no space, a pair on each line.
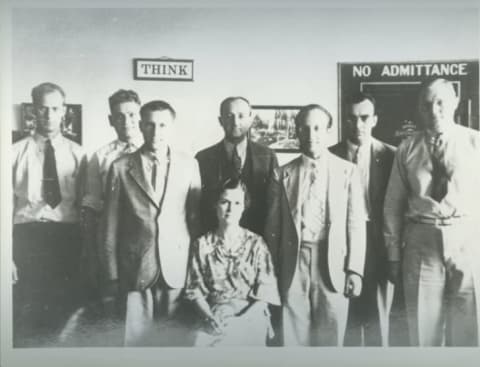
342,225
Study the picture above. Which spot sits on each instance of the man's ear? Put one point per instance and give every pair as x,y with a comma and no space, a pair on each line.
110,119
220,120
375,120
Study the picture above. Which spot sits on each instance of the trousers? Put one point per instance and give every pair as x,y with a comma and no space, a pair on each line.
49,289
440,272
313,314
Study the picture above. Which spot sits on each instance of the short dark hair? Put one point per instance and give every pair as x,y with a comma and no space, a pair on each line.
157,106
229,100
123,95
359,97
40,90
302,114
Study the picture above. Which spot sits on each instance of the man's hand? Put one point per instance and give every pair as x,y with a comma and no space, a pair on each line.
393,271
14,273
353,285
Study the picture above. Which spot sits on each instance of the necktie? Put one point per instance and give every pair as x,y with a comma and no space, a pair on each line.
440,175
314,204
51,186
236,163
154,175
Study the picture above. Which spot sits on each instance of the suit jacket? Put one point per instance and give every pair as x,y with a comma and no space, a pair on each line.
345,221
145,233
260,163
381,160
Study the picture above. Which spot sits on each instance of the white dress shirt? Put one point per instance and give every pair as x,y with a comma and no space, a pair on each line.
27,177
313,196
97,171
161,161
363,156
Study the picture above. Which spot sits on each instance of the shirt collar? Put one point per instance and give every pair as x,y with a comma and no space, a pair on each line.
56,140
445,133
124,145
241,147
313,163
153,158
352,147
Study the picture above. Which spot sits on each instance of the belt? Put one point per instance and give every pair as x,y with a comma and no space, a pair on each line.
436,221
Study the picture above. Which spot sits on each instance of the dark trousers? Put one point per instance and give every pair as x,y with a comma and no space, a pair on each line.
48,290
368,314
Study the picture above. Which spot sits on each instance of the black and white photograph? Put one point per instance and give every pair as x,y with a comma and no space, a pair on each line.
240,183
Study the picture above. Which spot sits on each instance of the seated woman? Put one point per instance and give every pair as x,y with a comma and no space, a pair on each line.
231,278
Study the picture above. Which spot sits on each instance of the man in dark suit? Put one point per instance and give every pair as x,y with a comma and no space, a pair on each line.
316,233
238,157
150,218
368,314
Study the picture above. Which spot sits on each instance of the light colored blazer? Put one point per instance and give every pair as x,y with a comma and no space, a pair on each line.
345,219
145,232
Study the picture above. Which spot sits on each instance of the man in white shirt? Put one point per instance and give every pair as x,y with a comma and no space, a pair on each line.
47,173
124,118
431,222
368,314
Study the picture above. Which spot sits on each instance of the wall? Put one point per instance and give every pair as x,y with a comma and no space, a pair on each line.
271,56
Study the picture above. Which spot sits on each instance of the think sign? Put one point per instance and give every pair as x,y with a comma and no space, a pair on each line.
163,69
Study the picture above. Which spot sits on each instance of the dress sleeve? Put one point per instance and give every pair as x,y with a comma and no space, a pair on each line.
195,286
265,287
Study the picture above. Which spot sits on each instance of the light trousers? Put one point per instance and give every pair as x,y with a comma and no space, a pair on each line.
440,298
313,314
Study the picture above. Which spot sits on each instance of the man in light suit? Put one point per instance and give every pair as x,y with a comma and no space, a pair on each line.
240,158
150,218
368,314
316,232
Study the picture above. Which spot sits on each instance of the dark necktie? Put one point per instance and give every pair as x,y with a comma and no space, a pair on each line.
236,163
51,186
440,176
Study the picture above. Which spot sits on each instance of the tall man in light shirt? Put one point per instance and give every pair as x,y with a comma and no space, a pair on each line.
431,223
368,314
316,233
238,157
151,215
47,173
124,118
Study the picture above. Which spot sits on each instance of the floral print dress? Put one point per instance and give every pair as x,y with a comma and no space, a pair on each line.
229,280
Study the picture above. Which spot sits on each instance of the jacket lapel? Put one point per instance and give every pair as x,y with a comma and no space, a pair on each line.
375,170
337,186
136,172
173,172
291,182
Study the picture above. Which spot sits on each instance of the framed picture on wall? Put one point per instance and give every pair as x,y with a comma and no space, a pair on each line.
274,127
71,127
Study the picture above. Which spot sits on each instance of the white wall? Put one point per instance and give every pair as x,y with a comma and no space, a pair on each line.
271,56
